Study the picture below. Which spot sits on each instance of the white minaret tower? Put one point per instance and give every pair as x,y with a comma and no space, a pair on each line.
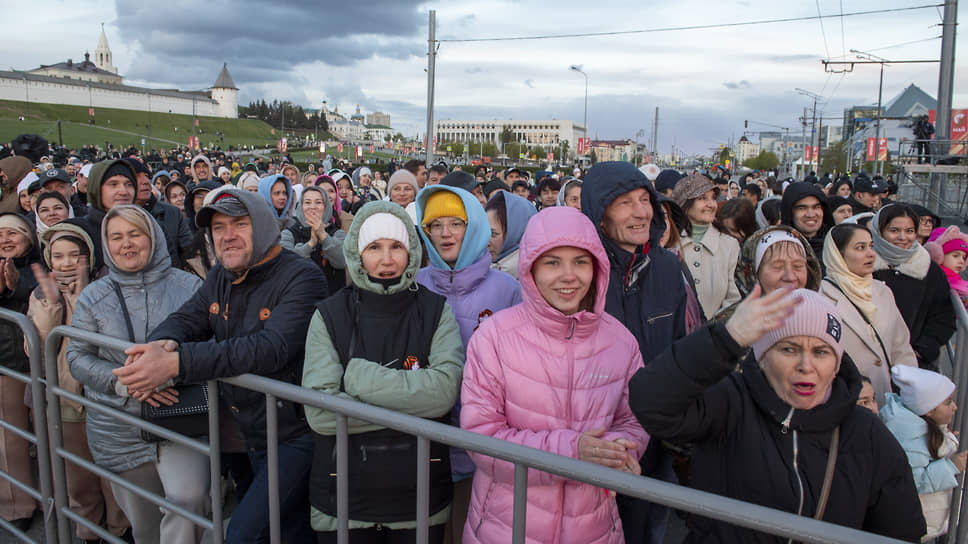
226,94
102,55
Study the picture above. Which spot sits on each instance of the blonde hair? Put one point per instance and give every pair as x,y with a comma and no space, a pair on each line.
134,215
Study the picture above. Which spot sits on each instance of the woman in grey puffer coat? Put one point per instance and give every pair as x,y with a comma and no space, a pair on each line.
137,258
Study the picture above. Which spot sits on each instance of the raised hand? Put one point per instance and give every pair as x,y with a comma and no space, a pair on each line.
47,283
756,314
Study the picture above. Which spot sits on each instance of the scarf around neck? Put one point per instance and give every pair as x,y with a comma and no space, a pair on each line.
858,289
893,255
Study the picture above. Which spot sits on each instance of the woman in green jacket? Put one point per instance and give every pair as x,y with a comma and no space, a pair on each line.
385,341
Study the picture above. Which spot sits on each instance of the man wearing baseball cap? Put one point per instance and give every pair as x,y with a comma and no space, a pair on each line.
59,181
249,316
867,194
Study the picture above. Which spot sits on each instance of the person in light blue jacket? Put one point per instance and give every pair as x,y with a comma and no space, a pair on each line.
456,232
919,417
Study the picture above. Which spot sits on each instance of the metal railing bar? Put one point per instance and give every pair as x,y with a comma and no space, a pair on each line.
17,533
272,467
22,486
97,529
167,434
733,511
519,516
706,504
28,436
342,480
215,462
147,495
46,480
423,490
20,377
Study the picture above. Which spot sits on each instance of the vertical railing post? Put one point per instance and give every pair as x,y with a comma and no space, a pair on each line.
56,433
272,460
342,480
520,503
423,490
215,461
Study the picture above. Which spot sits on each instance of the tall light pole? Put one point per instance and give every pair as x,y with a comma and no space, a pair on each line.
578,68
880,89
813,126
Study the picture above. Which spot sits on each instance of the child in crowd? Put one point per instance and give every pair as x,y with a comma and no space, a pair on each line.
919,419
866,397
949,248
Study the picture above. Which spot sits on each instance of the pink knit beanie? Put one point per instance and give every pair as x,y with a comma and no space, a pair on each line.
814,316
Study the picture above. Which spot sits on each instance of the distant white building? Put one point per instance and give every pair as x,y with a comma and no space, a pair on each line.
378,118
548,133
97,84
746,149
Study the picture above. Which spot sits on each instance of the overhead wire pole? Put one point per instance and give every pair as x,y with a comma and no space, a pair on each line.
868,58
943,118
431,63
813,124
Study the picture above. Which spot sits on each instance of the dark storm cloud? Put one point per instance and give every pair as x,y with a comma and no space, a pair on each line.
185,42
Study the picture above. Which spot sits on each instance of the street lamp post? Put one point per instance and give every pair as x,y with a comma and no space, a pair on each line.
578,68
880,89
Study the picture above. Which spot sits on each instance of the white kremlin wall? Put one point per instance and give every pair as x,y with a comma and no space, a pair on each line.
47,90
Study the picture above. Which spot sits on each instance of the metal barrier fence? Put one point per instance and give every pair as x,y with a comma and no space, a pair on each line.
57,528
956,350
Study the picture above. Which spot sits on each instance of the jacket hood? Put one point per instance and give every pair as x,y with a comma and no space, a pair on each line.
327,212
518,212
352,253
265,227
265,190
553,227
73,229
605,181
745,276
96,178
476,237
843,398
189,205
158,263
160,173
796,192
15,168
903,423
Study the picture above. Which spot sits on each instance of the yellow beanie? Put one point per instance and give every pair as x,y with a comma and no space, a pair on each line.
443,204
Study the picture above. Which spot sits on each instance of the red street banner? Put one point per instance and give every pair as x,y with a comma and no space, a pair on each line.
808,153
272,131
581,146
370,148
551,156
339,148
881,152
90,111
359,152
196,122
959,130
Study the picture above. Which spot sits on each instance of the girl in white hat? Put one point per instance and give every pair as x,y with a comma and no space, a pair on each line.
919,417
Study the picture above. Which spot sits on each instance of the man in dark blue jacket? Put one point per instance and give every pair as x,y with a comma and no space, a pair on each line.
646,292
251,315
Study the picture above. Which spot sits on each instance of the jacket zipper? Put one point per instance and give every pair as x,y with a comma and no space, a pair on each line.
796,468
655,318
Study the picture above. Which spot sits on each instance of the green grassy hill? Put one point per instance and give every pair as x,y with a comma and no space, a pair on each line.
124,128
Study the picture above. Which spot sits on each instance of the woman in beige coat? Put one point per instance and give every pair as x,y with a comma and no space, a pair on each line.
709,254
875,335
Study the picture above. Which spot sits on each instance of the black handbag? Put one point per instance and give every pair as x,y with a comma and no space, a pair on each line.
188,416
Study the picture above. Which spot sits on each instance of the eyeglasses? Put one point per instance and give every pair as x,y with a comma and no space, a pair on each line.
455,226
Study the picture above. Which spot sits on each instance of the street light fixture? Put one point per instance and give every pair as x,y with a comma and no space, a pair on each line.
578,68
880,87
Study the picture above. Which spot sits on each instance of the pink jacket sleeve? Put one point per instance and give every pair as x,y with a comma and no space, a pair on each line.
482,411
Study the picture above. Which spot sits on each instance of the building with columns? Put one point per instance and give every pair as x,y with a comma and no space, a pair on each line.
544,133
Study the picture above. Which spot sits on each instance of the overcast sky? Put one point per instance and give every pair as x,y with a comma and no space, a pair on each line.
373,53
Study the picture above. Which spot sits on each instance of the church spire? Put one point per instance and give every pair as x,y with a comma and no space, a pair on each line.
102,55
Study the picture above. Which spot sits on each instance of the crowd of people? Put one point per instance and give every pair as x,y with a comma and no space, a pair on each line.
675,325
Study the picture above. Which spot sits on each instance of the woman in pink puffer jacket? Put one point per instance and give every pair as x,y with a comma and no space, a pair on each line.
552,373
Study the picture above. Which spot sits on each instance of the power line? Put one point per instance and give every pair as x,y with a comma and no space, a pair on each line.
692,27
822,31
844,56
